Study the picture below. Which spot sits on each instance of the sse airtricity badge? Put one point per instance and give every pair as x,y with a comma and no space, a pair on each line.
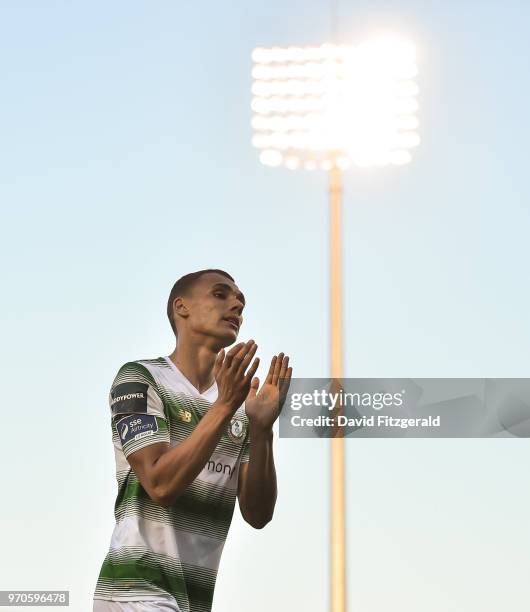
236,430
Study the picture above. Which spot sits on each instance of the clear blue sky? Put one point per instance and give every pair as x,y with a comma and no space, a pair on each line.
126,162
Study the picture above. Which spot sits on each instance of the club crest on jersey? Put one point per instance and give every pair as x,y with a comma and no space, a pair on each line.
236,430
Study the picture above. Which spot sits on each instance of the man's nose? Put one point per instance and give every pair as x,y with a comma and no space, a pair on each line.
237,306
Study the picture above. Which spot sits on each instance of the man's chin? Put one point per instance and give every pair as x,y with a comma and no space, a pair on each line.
226,338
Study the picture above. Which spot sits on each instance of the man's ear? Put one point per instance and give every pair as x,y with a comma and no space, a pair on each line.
179,308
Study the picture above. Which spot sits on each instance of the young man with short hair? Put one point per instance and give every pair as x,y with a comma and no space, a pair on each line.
191,431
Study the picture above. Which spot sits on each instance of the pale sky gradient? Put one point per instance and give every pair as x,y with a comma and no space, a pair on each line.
126,162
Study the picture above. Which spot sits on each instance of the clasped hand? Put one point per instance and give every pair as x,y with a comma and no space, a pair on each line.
235,384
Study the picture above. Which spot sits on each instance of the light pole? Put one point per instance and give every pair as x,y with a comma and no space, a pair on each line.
338,492
331,107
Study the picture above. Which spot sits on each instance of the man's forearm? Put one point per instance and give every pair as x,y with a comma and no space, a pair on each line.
175,469
258,496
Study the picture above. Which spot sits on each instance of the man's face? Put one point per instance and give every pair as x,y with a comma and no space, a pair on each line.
215,306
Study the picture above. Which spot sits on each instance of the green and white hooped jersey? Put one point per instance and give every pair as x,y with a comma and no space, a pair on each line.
157,552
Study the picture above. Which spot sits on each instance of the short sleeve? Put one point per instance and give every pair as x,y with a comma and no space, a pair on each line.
138,416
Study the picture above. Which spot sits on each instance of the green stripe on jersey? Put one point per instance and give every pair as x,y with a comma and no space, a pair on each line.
171,552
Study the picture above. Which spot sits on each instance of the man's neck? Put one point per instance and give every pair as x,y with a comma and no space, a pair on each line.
196,363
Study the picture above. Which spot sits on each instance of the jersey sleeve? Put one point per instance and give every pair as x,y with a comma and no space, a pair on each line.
137,410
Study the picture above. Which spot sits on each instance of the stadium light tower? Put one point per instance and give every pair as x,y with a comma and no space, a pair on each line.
331,107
